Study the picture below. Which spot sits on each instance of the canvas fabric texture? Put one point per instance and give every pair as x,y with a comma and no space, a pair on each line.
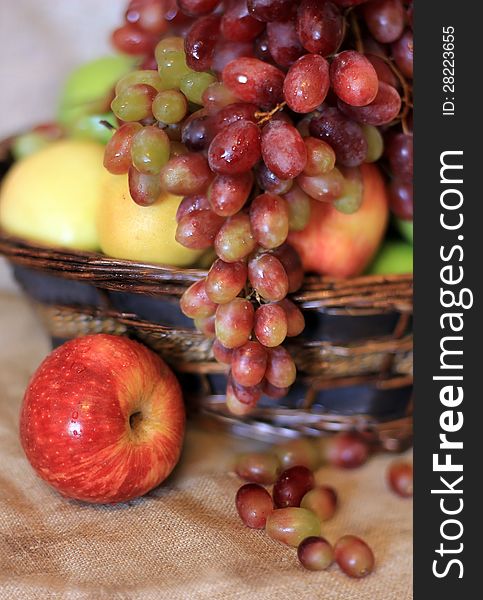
184,540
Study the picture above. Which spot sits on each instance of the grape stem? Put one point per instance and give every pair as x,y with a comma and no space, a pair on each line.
357,32
266,116
107,125
406,98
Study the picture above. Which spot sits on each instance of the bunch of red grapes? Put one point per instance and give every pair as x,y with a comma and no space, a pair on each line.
249,109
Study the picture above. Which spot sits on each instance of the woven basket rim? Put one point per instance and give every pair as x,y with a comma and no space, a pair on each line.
381,293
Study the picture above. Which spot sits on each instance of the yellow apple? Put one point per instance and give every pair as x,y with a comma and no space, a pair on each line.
140,233
52,196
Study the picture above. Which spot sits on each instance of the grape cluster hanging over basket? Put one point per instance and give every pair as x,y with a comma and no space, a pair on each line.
250,110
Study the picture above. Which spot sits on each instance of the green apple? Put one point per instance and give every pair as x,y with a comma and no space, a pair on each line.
92,127
53,196
87,89
393,257
405,228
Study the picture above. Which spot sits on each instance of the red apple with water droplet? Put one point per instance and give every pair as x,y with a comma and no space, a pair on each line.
103,419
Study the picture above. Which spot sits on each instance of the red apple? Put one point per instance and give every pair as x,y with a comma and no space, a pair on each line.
102,419
342,245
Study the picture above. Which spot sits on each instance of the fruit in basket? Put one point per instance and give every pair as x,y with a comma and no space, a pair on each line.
394,257
52,196
343,245
140,233
405,228
264,106
88,88
102,419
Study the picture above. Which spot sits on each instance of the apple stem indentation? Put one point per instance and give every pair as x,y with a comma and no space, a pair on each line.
135,419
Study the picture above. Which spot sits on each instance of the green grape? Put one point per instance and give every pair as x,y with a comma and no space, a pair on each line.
134,102
194,84
375,143
150,150
169,44
172,68
149,77
170,106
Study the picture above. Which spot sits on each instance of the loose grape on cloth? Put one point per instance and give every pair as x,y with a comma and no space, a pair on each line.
184,540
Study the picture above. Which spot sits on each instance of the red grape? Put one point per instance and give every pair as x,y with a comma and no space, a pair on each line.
322,501
385,19
269,220
186,175
382,110
254,81
227,194
236,406
246,394
320,26
354,556
401,198
195,303
131,39
117,155
293,267
258,467
324,188
249,363
292,485
295,318
196,8
400,478
235,149
320,157
274,392
307,83
283,149
197,132
225,52
149,16
283,42
237,25
225,280
270,10
383,70
403,53
347,450
268,277
217,96
399,150
234,322
281,371
200,42
235,239
270,325
346,137
238,111
269,182
191,204
298,451
315,553
222,354
197,230
253,504
206,326
353,78
292,525
144,189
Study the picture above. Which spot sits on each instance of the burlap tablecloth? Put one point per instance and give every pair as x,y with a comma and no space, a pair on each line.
182,541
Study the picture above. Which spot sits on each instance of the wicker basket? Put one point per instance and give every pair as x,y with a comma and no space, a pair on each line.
354,358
